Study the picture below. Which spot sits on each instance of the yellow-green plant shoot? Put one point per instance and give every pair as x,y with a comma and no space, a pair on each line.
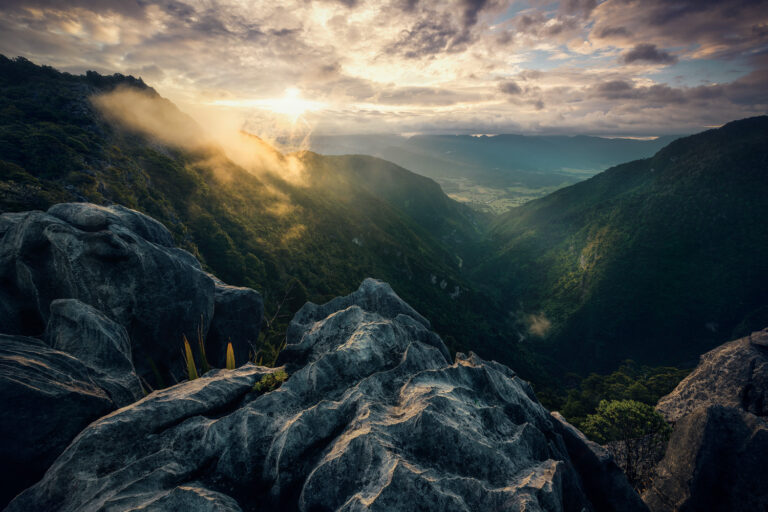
191,370
230,357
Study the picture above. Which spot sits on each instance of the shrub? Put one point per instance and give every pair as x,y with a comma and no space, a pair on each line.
634,433
270,381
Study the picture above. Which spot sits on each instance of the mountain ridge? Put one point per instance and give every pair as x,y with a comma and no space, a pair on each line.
644,238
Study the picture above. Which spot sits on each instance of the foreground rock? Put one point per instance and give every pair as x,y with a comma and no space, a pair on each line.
90,295
99,343
733,375
124,265
47,398
603,481
716,456
372,417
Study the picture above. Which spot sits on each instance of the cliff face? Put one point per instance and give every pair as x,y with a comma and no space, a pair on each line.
716,456
374,414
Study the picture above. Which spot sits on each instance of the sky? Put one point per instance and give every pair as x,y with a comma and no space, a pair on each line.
612,67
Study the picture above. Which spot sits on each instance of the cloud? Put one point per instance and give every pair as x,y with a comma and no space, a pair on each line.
711,28
645,52
510,88
460,65
582,8
428,37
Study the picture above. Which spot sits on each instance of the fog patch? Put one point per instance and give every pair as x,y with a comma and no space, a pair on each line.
538,324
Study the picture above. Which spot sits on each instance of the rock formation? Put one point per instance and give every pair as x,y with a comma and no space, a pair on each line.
373,416
715,460
48,397
123,264
89,294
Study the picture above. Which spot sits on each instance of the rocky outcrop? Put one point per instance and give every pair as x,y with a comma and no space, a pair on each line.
715,457
99,343
155,292
733,375
90,295
603,481
715,462
123,264
372,417
47,398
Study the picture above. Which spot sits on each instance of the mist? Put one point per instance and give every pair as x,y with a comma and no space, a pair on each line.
148,113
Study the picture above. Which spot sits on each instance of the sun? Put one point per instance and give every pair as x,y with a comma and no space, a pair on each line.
291,105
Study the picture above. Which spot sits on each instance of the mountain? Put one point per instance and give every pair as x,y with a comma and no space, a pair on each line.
657,260
496,172
295,227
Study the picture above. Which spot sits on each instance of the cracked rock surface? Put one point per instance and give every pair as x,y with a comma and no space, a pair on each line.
372,417
91,298
715,459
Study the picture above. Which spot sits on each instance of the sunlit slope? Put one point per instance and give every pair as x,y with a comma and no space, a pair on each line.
657,259
308,234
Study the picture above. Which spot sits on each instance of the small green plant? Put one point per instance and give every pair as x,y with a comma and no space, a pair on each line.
230,357
270,381
190,360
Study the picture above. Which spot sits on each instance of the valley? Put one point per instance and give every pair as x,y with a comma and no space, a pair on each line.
495,173
572,281
333,284
384,256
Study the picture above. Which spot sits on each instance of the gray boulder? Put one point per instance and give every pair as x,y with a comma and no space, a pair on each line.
99,343
715,461
372,417
734,375
123,264
715,457
237,314
603,481
91,217
48,397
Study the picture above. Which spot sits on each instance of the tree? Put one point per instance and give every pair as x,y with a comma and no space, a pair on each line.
634,433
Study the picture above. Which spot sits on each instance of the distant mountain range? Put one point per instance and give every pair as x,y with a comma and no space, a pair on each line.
515,168
658,259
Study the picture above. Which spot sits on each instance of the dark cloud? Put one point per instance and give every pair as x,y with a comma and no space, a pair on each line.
715,28
645,52
615,89
612,32
427,37
437,32
471,9
748,90
582,8
539,24
510,88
